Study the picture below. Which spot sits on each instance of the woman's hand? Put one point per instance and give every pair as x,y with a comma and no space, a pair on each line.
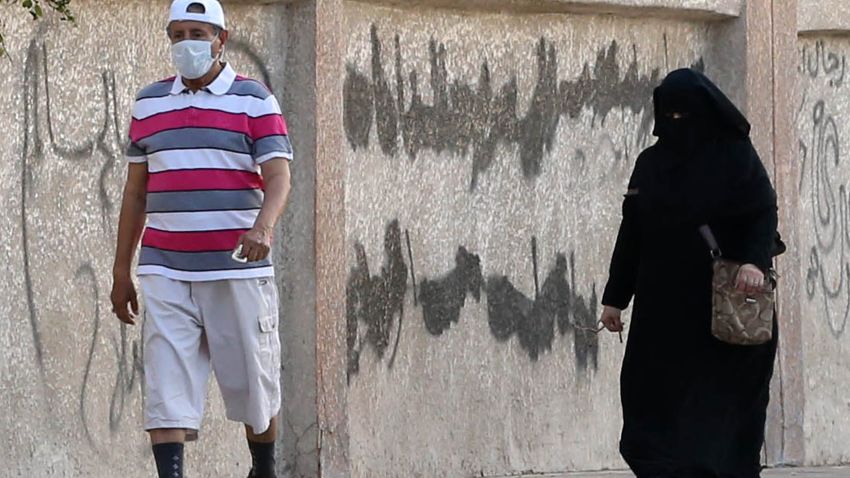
750,279
611,318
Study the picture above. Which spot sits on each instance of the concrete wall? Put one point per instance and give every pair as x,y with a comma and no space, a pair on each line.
823,123
70,376
820,192
456,192
486,159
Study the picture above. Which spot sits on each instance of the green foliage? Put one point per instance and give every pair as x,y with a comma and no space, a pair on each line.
61,7
36,9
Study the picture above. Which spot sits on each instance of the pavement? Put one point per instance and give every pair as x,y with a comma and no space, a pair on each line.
837,472
842,472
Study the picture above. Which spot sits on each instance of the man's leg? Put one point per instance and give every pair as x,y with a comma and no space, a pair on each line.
268,436
241,322
176,369
167,435
167,446
262,450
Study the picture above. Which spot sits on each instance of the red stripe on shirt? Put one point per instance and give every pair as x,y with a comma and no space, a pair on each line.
270,125
203,179
254,128
202,241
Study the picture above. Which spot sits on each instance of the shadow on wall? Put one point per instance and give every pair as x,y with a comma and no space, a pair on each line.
474,119
377,301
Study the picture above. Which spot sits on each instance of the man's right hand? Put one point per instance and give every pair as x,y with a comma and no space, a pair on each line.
125,304
611,318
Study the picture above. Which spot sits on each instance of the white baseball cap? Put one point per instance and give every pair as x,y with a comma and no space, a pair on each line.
213,13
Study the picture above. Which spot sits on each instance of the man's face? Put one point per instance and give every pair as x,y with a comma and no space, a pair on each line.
188,30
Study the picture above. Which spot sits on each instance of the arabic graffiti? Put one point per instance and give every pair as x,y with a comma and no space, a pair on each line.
819,61
377,300
474,119
828,275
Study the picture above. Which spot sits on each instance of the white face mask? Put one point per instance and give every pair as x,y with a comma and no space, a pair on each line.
193,58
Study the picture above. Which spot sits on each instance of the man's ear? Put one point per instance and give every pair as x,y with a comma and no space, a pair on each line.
223,36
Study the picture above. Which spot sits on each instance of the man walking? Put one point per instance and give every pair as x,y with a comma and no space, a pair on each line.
209,173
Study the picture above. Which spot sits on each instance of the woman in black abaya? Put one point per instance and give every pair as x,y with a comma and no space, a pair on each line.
692,406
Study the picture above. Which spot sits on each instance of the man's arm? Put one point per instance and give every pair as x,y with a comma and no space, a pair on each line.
257,242
131,223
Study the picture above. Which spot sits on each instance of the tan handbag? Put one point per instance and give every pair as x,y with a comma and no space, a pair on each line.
738,317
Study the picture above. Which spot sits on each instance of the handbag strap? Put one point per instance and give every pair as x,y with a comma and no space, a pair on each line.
713,246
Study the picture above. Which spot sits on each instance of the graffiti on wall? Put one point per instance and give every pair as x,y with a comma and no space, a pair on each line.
472,120
102,150
376,302
828,274
824,182
819,61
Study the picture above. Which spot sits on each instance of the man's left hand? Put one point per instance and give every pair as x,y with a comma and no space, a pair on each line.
256,244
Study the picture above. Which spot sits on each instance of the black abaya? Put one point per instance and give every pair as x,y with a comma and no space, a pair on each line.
692,406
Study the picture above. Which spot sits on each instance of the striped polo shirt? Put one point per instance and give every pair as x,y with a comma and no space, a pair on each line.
203,152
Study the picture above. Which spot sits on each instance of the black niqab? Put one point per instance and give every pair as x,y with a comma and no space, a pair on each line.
704,163
689,91
692,405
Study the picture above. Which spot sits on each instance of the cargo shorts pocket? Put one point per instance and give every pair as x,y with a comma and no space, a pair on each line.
269,343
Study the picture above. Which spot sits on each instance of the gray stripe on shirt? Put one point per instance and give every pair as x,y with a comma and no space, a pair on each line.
197,138
190,201
195,261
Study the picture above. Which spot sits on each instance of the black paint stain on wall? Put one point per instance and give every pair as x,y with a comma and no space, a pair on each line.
556,306
375,300
442,299
475,119
577,313
533,319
